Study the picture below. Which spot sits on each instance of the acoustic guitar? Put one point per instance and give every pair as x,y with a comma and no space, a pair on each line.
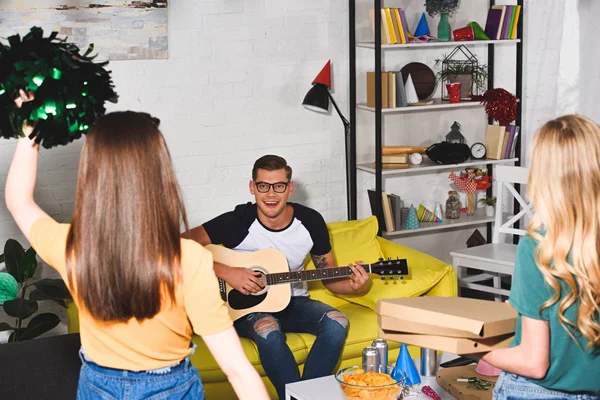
276,278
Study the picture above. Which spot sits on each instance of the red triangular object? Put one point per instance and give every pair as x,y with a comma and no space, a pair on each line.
324,76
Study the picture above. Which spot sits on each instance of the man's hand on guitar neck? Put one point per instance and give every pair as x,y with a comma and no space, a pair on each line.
243,280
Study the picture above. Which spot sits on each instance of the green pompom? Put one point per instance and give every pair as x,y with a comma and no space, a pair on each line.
70,89
9,288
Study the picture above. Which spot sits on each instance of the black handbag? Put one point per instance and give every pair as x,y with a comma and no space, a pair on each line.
448,153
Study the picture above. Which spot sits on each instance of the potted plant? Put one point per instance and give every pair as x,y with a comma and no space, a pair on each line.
470,75
442,7
490,204
20,293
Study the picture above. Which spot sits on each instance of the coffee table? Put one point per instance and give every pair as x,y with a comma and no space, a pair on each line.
328,388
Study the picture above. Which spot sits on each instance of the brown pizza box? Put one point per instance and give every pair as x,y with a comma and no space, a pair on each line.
447,378
448,344
457,317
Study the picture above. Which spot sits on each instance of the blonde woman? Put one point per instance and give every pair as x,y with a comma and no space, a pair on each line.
140,289
556,284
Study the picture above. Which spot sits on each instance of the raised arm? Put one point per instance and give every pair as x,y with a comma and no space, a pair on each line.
20,184
227,350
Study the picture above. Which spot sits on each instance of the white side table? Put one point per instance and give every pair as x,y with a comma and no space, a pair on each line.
328,388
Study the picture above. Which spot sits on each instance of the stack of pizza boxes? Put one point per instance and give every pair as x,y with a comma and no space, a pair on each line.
456,325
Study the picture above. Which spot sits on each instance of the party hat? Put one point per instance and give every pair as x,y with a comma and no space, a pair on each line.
422,27
411,92
405,364
424,215
478,31
412,222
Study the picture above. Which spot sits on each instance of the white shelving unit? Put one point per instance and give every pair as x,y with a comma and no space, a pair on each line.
436,105
479,218
428,166
452,43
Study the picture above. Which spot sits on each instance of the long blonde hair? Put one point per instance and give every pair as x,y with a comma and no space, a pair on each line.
564,187
123,247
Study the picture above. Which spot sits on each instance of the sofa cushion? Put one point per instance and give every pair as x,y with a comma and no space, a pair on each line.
418,282
351,241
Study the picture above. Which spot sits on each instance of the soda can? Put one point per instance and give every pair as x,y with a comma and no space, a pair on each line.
382,347
370,359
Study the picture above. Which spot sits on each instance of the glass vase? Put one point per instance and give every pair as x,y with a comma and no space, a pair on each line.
470,203
443,31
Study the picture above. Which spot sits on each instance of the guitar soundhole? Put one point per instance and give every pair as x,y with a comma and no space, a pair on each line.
239,301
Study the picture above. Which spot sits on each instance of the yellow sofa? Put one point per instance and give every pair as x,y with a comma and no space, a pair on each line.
351,241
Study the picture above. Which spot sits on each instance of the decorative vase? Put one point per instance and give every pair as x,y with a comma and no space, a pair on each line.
443,28
489,211
470,203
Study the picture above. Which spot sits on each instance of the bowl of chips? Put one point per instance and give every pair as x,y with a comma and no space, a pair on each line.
360,382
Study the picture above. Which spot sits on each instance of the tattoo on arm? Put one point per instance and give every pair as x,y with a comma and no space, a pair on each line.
320,261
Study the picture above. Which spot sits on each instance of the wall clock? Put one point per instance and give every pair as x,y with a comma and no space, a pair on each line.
478,151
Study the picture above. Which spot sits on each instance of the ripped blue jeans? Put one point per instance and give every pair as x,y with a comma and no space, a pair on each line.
178,381
302,315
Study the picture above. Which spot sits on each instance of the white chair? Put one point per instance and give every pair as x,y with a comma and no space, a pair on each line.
497,258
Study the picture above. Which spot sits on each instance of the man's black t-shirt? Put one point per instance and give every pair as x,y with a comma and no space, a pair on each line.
241,230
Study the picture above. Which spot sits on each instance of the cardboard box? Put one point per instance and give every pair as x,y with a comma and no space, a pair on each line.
447,378
448,344
458,317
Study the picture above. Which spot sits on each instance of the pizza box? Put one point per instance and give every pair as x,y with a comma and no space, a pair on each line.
457,317
447,378
448,344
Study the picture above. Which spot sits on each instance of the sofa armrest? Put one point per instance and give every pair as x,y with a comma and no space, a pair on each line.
447,286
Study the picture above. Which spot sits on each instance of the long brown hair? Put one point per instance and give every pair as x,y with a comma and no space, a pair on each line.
123,247
564,186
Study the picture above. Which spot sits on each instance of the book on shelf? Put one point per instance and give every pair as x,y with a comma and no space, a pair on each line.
405,31
392,165
517,13
383,28
494,139
402,36
390,35
392,89
387,212
371,89
508,20
394,159
511,135
396,203
501,21
372,201
513,147
394,23
493,23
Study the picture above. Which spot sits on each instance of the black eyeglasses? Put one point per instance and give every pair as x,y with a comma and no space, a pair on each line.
264,187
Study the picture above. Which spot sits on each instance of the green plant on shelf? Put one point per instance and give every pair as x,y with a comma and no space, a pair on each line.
488,200
450,72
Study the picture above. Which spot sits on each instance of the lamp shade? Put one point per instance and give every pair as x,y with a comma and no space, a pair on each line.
317,98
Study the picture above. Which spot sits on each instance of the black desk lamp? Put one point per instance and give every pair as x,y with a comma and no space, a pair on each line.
317,99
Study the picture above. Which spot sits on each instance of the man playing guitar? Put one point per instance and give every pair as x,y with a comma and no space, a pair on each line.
295,230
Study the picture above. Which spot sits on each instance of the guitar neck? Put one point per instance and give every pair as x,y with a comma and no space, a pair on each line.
311,275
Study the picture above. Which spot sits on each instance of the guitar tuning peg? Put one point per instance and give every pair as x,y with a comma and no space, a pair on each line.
383,278
389,258
380,258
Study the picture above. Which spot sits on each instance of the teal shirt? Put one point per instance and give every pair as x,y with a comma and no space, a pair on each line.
573,368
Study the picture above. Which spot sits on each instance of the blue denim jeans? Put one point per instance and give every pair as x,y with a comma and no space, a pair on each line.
178,381
515,387
302,315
